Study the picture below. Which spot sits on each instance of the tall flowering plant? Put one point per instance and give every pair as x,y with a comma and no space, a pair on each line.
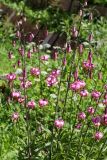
57,104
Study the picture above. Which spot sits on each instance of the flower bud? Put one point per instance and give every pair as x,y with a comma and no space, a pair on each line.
55,55
64,61
29,54
10,55
68,49
105,95
90,57
15,116
80,48
19,63
14,43
21,51
24,73
100,75
31,36
90,38
76,74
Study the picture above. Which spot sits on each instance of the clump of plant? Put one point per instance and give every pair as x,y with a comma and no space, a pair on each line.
54,103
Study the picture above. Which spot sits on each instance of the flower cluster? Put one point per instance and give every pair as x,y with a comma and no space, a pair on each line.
52,78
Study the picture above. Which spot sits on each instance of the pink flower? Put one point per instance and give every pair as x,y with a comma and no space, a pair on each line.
87,65
43,102
16,95
81,116
31,104
78,126
77,85
15,116
84,93
26,84
82,83
59,123
21,79
95,94
11,76
51,80
90,110
98,135
55,72
44,57
96,121
21,99
35,71
30,37
105,101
